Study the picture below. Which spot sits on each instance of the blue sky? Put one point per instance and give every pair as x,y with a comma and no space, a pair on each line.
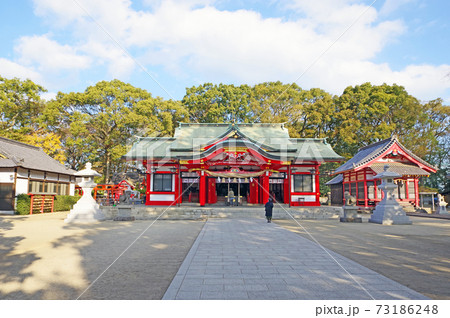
166,46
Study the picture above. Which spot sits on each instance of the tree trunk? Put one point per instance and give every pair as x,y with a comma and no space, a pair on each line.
107,167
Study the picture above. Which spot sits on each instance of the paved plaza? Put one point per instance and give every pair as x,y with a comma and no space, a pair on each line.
250,259
41,257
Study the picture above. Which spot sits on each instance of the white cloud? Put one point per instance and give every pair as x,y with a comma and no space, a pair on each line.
11,69
193,39
118,63
49,55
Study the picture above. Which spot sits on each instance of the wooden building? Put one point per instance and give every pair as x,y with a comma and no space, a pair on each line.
357,175
202,163
28,169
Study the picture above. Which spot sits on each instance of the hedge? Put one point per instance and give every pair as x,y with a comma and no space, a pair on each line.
23,204
62,203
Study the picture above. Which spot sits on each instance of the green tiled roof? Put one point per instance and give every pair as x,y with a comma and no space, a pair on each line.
272,140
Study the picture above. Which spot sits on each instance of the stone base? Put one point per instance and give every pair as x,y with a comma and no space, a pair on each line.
442,210
83,218
389,214
351,220
124,218
85,213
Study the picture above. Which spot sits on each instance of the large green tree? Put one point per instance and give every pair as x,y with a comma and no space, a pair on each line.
20,108
210,103
98,123
367,113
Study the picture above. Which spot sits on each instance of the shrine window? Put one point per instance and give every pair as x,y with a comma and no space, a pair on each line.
35,187
162,182
370,190
353,189
303,183
411,190
361,190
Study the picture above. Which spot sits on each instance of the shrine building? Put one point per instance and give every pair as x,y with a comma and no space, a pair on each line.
357,175
202,163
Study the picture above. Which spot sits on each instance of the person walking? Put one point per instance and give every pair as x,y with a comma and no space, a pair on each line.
269,207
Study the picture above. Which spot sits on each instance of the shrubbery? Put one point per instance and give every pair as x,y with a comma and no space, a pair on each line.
65,202
62,203
23,204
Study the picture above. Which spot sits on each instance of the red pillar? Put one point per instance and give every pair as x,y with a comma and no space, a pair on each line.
180,185
257,190
286,190
177,189
265,188
290,186
253,191
416,190
202,186
147,190
366,201
212,194
317,186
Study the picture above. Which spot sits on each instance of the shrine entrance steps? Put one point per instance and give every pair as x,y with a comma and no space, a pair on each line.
191,212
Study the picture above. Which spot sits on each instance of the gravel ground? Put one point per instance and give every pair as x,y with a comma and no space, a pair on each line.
41,257
416,256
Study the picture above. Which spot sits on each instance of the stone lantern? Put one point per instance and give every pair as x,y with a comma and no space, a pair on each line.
86,210
441,208
388,211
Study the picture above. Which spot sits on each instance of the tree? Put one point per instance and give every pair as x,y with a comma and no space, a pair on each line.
276,102
435,129
316,113
365,114
98,123
20,104
20,108
209,103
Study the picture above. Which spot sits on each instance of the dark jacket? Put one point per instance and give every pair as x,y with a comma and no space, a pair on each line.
269,208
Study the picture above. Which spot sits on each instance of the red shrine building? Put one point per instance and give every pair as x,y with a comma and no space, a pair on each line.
202,163
357,175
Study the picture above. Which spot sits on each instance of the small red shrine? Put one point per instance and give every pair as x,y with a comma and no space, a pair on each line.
357,175
202,163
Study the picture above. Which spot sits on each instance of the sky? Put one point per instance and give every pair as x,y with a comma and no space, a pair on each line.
166,46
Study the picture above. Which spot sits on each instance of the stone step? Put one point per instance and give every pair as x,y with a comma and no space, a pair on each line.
142,212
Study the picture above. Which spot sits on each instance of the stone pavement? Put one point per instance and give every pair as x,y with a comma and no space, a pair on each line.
250,259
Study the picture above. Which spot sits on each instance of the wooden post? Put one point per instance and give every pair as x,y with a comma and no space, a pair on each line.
31,203
317,185
416,192
202,186
366,199
42,204
180,185
290,185
265,186
53,202
148,189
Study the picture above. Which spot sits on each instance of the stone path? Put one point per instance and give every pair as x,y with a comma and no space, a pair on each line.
250,259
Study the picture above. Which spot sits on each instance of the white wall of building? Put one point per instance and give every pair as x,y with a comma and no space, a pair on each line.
64,178
21,186
7,175
162,197
37,175
72,189
21,172
52,176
